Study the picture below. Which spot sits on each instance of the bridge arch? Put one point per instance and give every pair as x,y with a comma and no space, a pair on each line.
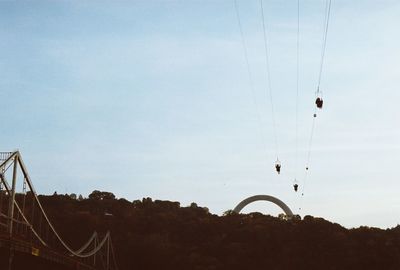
268,198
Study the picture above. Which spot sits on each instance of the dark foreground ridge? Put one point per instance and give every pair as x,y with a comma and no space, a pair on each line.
162,235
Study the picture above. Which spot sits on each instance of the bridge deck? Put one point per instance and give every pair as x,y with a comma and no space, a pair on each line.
18,245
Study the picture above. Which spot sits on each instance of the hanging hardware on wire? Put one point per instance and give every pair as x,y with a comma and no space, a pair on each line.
278,166
319,100
295,186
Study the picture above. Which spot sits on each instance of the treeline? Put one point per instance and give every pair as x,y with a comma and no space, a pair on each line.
154,234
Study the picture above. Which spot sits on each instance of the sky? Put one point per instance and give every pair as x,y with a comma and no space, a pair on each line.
153,99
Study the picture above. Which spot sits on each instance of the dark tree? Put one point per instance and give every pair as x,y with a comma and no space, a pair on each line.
101,195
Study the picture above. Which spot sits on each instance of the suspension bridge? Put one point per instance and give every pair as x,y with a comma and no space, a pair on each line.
27,232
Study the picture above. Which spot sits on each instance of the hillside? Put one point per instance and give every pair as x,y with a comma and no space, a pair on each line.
157,235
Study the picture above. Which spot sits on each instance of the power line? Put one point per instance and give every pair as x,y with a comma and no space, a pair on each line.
250,77
309,154
323,47
297,88
324,37
268,78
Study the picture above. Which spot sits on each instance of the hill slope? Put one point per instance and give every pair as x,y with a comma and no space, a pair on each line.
162,235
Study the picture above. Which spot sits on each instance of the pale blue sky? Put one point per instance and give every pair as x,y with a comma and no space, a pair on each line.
152,98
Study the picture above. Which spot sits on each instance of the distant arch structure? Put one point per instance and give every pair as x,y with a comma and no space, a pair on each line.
268,198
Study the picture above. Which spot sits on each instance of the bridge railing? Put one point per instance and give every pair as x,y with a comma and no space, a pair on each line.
5,155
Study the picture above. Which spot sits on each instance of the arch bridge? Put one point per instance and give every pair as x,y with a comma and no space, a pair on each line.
268,198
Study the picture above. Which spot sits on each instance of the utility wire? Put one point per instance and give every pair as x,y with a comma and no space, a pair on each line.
324,37
268,77
250,77
309,154
297,88
323,47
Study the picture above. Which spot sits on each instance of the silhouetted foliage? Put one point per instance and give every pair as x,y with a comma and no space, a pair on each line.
101,195
159,234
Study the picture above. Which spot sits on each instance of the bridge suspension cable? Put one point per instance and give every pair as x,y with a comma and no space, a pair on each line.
29,182
83,252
